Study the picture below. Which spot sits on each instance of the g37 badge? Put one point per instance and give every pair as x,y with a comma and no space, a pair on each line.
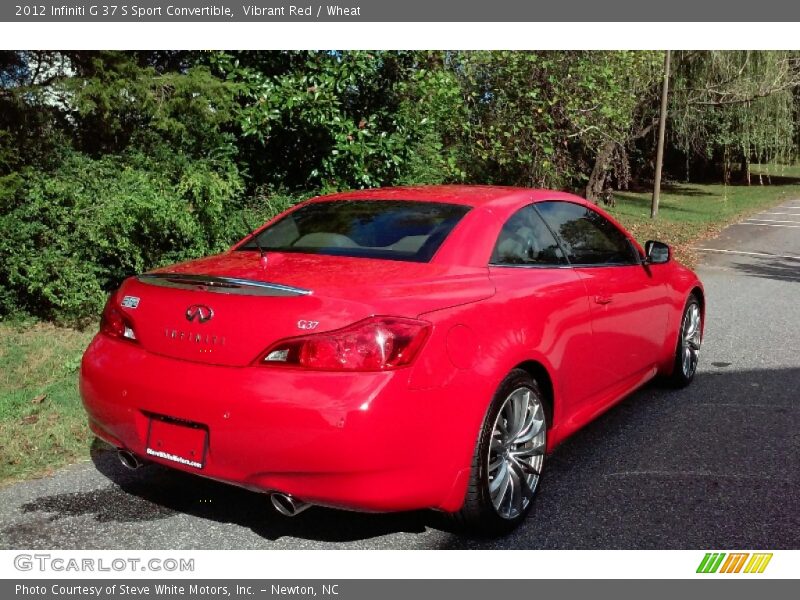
303,324
130,302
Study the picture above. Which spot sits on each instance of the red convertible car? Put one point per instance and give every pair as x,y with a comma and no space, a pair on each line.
392,349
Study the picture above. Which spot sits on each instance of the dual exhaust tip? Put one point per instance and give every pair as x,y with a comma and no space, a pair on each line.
285,504
129,460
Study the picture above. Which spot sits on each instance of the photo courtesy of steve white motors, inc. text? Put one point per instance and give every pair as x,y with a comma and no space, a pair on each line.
158,589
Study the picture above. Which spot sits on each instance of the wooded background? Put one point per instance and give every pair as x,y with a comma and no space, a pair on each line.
112,163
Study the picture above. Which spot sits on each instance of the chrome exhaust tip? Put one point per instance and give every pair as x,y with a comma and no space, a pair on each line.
129,460
287,505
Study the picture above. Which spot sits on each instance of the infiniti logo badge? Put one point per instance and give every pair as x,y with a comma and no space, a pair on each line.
199,312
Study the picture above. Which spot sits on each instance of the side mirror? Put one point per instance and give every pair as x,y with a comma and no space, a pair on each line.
657,253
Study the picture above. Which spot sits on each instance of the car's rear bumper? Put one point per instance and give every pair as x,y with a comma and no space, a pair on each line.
364,441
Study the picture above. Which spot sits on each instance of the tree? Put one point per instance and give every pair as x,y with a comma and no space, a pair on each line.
127,167
733,107
558,119
332,120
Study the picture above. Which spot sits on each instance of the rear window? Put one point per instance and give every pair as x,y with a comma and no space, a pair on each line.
389,229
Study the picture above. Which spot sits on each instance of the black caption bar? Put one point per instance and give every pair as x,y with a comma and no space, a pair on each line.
72,589
403,10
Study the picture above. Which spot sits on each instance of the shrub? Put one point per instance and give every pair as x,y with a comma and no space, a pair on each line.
70,236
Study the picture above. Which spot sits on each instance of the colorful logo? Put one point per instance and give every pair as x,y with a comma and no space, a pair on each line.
734,562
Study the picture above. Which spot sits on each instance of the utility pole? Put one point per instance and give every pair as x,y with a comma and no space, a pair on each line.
662,123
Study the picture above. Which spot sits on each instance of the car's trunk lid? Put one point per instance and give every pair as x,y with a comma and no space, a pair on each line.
228,309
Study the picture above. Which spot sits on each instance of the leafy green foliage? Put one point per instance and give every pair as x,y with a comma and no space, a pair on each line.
72,235
149,177
113,163
538,118
333,120
732,107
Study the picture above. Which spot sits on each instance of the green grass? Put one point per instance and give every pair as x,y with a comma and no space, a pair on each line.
42,423
691,212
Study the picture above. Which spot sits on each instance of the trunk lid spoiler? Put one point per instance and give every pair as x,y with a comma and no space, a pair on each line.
225,285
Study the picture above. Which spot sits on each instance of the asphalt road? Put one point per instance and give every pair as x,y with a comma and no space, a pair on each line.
716,465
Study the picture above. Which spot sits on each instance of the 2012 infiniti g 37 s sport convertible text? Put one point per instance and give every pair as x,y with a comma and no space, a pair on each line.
392,349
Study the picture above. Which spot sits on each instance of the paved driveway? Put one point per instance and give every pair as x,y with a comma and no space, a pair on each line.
714,466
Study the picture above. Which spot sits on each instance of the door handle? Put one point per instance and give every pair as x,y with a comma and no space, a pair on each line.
603,299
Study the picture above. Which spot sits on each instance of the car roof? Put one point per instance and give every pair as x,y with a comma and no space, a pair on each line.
501,201
469,195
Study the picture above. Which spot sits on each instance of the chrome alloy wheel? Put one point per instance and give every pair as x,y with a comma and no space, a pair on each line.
516,452
691,336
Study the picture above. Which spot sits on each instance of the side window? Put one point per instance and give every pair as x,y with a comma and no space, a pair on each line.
587,236
525,240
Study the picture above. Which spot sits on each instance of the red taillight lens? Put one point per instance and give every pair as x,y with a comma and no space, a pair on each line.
115,323
376,344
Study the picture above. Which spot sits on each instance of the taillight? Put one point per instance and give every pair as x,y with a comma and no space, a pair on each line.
115,323
375,344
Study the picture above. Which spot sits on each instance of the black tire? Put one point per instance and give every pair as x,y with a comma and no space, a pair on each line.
680,378
478,514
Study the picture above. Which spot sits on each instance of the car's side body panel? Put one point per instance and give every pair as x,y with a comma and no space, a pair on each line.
542,315
628,313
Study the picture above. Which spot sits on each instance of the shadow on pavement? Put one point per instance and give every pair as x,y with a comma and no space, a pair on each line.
780,269
176,491
106,505
716,465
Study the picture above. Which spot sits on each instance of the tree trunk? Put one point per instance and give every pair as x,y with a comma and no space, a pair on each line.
662,126
746,169
726,168
597,179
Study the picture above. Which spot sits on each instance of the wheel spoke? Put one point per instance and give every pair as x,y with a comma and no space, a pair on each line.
515,504
534,429
520,403
530,421
508,413
527,452
520,477
502,426
692,325
502,490
495,464
501,479
689,323
524,467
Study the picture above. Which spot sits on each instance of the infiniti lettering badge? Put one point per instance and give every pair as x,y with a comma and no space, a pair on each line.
199,312
208,339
